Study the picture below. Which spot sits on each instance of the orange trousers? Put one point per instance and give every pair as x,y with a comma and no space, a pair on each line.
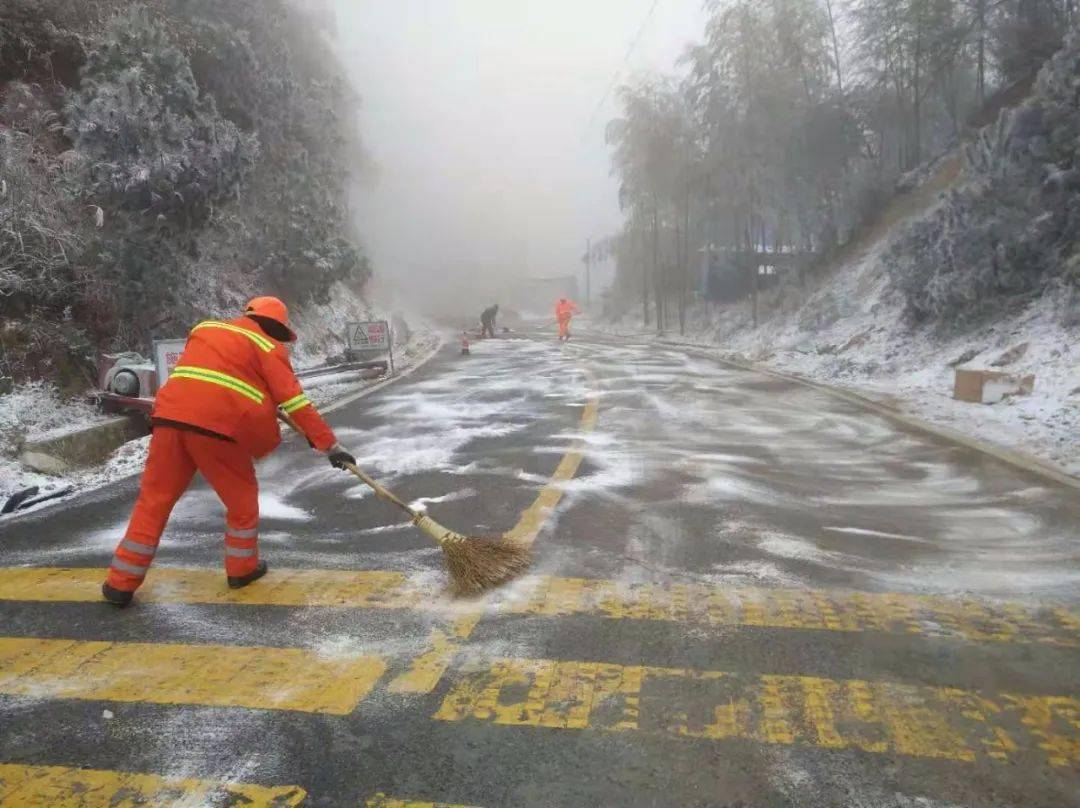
564,328
175,456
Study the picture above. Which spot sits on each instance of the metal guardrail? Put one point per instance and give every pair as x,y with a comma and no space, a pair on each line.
344,367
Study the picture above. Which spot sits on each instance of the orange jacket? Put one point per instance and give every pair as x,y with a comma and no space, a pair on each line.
564,310
230,379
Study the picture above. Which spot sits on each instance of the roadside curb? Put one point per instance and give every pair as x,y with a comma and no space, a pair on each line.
334,405
349,398
90,445
1024,462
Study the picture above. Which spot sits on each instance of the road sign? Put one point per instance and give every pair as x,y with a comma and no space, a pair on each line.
373,336
370,336
166,356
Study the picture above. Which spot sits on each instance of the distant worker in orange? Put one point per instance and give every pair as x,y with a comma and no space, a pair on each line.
215,415
565,310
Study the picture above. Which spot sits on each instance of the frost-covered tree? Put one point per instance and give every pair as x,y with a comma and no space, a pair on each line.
808,115
1014,228
149,138
41,230
178,156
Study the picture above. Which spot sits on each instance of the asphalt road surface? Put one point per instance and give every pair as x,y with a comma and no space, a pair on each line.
745,593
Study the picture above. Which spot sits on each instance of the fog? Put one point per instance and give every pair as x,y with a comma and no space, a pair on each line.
484,121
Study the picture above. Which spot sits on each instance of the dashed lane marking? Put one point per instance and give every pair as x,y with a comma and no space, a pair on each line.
61,787
427,669
876,717
691,604
532,519
165,673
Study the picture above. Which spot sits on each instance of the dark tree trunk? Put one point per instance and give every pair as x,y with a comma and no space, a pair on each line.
644,278
917,84
684,271
836,47
658,282
752,269
981,68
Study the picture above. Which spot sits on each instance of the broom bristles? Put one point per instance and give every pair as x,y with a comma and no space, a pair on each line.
477,564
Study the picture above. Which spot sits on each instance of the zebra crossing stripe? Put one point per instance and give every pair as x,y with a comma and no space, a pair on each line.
61,787
963,619
169,673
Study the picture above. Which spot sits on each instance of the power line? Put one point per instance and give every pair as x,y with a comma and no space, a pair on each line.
626,58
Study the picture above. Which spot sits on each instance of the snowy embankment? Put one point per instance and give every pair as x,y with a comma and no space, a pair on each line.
36,410
850,333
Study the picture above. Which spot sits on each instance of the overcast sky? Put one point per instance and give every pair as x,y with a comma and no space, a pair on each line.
481,117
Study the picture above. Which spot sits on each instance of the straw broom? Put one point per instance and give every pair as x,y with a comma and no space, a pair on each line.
475,563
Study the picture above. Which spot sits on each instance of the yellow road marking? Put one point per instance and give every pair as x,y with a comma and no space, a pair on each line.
533,518
62,787
689,604
877,717
427,669
361,589
699,604
216,675
380,800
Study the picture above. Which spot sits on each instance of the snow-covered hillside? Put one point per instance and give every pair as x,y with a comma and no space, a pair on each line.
851,332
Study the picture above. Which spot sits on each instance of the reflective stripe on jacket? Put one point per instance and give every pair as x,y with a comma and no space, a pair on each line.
229,380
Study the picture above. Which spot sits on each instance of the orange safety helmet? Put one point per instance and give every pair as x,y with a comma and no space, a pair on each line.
273,309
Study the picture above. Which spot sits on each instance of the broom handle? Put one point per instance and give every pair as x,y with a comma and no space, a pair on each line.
380,492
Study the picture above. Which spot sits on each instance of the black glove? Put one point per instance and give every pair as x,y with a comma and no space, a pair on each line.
339,457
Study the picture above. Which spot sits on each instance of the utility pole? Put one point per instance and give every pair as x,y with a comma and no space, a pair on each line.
588,271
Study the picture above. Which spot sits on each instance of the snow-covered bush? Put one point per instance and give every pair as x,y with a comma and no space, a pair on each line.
146,135
163,161
42,229
1015,225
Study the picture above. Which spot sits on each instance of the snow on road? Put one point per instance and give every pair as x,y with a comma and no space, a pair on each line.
765,482
812,485
850,332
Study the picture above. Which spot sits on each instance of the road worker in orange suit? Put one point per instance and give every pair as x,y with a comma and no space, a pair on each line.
564,312
216,414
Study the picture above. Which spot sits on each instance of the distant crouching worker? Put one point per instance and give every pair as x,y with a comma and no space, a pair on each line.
215,415
565,310
487,321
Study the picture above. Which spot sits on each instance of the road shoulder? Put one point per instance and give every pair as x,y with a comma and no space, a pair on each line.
1021,460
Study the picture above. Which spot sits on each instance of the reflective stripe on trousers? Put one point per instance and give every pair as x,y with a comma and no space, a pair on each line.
241,548
133,557
174,457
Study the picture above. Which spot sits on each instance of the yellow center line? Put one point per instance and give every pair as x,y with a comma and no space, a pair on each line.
426,670
879,717
167,673
704,605
62,787
532,519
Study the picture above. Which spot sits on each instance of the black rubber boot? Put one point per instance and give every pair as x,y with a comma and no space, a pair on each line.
117,597
244,580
